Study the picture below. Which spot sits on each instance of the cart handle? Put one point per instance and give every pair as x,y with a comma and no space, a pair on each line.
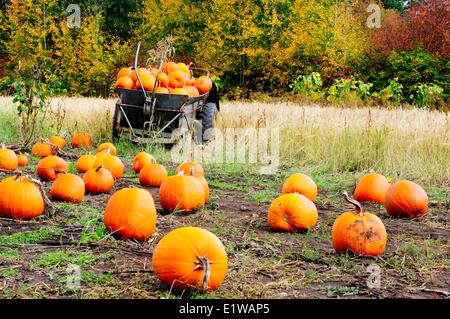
136,68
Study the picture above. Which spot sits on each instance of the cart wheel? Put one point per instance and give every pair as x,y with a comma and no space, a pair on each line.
208,115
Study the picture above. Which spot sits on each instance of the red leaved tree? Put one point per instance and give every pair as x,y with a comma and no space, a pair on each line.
425,24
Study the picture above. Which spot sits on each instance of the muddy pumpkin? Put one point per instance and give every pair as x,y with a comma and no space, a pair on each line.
359,231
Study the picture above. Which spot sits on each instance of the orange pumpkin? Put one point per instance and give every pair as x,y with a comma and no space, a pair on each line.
43,149
152,175
192,91
20,198
163,79
371,188
179,91
141,72
125,82
8,159
111,163
204,183
190,167
107,147
98,180
68,188
124,72
85,163
82,140
190,258
162,90
181,192
148,82
50,167
141,159
170,67
359,231
22,160
406,199
58,141
177,79
203,84
291,212
131,213
302,184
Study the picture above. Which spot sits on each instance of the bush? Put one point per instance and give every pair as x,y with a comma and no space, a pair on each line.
428,95
309,85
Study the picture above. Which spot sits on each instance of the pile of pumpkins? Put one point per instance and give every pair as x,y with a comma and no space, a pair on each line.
191,257
358,231
174,78
186,258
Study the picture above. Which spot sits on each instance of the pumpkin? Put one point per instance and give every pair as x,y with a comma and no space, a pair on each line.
82,140
291,212
111,163
192,91
406,199
21,198
124,72
124,82
58,141
50,167
170,67
190,258
131,213
162,90
359,231
22,160
371,188
177,79
85,163
204,183
68,188
141,159
98,180
302,184
8,159
179,91
184,68
152,175
190,167
163,79
181,192
107,147
141,72
43,149
203,84
148,82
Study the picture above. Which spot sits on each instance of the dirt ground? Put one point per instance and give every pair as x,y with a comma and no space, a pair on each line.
262,263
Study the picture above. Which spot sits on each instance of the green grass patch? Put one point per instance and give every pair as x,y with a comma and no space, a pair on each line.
10,273
10,255
30,237
63,258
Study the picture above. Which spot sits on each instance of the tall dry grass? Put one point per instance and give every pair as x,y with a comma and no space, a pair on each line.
399,143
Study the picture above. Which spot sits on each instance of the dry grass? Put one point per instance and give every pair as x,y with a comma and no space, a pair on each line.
400,143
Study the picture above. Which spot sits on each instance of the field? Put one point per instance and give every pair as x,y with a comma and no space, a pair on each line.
335,146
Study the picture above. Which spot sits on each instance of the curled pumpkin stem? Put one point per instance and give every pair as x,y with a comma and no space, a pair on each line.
359,209
99,168
203,263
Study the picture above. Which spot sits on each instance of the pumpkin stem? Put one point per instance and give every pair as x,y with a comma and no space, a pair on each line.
192,171
99,168
359,209
19,174
203,263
